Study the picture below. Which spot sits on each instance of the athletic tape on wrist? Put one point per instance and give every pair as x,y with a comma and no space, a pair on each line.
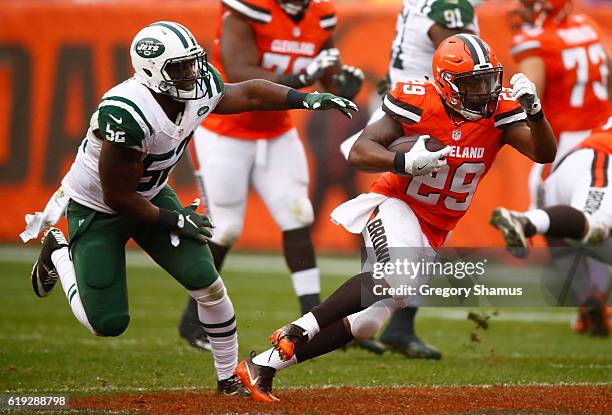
536,117
399,163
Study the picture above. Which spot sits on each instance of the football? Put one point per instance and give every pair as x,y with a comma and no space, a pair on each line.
404,144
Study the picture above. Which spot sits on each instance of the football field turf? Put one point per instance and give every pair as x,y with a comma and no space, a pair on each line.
44,349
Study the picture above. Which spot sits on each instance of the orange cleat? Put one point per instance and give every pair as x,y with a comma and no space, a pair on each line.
257,379
286,338
594,316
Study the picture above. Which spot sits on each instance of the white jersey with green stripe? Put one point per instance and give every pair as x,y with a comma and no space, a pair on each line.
128,115
412,50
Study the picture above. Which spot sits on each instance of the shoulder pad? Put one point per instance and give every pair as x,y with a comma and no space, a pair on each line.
405,102
257,11
508,110
452,14
214,83
122,122
326,12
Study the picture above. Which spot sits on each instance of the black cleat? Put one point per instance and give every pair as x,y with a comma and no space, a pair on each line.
198,341
258,379
308,302
232,386
44,275
412,348
512,225
370,345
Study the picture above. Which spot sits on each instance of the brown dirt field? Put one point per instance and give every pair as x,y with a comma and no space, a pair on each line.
566,399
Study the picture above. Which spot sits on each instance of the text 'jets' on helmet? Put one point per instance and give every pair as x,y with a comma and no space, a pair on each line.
167,59
293,7
543,12
468,76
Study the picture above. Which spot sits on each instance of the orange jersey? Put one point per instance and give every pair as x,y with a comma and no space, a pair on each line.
440,199
575,97
284,47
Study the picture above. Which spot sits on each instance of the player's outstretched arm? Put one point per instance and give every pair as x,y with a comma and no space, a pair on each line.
262,95
244,65
535,139
369,153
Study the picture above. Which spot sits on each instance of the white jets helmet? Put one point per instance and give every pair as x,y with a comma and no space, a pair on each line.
167,59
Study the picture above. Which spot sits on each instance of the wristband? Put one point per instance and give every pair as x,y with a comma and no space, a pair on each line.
168,218
536,117
296,99
399,163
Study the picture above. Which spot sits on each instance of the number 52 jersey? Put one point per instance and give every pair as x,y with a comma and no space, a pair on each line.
440,199
129,116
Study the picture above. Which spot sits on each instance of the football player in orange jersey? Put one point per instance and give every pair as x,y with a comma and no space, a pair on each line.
422,195
578,204
562,53
288,42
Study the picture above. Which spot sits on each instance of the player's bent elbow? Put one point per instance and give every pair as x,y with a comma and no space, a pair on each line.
355,157
547,157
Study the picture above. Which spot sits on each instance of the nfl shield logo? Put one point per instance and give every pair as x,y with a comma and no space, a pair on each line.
456,135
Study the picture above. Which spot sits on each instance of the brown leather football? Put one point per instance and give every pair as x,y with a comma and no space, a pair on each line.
404,144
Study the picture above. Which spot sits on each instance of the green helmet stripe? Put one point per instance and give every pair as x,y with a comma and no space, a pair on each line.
189,35
176,31
133,106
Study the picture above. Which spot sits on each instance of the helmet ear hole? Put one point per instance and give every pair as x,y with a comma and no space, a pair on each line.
148,72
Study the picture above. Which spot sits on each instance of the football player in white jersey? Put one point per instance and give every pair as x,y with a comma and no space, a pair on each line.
421,26
117,189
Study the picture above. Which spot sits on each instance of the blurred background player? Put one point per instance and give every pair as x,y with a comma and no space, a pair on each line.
563,54
421,26
578,206
422,194
117,189
288,42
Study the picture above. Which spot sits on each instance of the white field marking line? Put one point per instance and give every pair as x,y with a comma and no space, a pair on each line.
506,314
236,262
580,366
111,388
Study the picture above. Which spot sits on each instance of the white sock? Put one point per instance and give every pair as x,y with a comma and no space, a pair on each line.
271,358
309,323
539,219
306,282
67,276
216,313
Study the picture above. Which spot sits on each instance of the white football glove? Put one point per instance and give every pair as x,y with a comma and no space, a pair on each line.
420,161
315,69
525,92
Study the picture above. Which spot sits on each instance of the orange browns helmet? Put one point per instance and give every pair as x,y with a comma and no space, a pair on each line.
543,12
468,76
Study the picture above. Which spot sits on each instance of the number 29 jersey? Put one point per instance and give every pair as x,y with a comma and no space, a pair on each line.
284,46
575,97
440,199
